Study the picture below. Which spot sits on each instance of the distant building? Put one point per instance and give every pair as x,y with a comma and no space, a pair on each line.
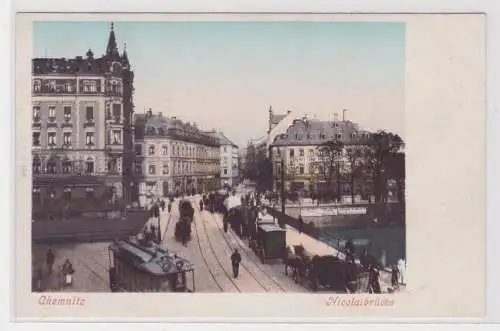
82,130
229,160
298,148
174,157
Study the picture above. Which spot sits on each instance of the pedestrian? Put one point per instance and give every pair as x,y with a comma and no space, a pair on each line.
68,271
39,277
395,277
201,204
235,262
349,251
169,208
49,259
374,281
162,205
301,224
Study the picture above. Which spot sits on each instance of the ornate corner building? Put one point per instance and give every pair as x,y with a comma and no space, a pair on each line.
82,127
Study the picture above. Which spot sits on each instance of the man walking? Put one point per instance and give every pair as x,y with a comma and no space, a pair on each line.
49,259
235,261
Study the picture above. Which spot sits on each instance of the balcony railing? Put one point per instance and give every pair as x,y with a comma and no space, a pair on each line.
89,123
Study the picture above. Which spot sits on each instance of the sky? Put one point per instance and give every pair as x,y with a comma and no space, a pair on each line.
226,75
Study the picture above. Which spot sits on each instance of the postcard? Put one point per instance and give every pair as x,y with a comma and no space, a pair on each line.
271,167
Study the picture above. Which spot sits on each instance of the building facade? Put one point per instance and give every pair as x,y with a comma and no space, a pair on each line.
82,112
174,157
229,160
306,168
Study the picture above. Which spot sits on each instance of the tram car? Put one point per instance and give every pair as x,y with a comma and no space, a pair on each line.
136,266
269,242
183,226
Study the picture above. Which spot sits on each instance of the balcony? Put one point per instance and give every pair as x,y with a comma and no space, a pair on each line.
36,124
89,123
114,120
114,147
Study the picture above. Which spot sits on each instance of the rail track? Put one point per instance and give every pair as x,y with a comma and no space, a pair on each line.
213,253
250,258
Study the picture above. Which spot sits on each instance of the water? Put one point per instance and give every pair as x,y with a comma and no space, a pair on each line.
379,241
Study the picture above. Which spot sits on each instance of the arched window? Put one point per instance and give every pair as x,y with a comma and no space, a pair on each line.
67,166
37,165
51,166
89,166
67,194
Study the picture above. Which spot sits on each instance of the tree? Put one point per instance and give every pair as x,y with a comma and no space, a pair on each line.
264,172
382,146
328,164
355,157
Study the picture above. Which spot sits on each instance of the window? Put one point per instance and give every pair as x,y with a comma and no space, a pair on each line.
338,136
138,167
35,196
52,86
51,138
165,169
52,112
67,138
67,194
117,112
89,138
152,150
68,87
67,166
36,138
225,171
67,113
51,166
138,149
292,153
36,113
89,86
225,149
89,166
117,137
89,113
37,85
164,150
37,165
152,169
301,170
301,152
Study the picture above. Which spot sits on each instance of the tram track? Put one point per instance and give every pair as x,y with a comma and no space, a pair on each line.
243,249
250,256
204,258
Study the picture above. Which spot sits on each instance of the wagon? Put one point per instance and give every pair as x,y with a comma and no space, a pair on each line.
270,242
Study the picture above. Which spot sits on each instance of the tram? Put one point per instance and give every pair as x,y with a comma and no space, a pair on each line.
137,266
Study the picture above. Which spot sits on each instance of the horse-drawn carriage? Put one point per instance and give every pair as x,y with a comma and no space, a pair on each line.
183,226
325,272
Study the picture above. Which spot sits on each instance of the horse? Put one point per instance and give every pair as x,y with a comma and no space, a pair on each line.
294,262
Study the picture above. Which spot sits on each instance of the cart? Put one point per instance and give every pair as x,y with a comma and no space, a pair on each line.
270,242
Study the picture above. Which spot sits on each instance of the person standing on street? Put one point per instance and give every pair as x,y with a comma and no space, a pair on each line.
235,262
201,204
49,259
301,224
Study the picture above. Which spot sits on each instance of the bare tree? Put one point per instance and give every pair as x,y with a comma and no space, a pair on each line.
355,157
328,164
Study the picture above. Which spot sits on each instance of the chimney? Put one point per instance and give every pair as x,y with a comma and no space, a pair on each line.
288,112
343,114
335,117
149,113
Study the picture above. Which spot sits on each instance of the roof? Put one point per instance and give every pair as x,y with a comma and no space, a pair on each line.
275,119
223,140
303,132
270,228
84,65
152,260
157,125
